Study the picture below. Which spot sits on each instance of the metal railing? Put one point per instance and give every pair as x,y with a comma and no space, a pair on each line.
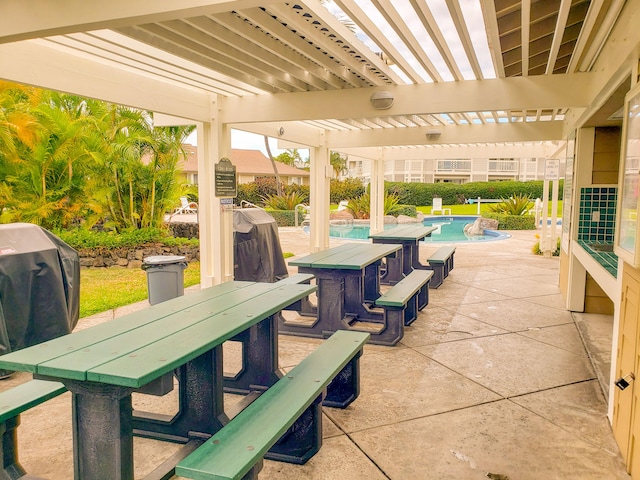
306,212
247,204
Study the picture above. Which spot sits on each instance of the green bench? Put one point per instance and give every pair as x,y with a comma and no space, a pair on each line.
285,420
441,262
12,403
403,301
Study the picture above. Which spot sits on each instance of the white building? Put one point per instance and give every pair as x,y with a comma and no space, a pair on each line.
461,163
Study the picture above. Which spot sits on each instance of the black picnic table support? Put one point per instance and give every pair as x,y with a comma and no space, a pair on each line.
348,280
409,236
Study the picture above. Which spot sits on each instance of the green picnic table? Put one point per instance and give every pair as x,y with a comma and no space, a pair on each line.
409,236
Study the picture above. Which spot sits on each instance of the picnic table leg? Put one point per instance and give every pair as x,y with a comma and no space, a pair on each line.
396,269
331,307
11,467
259,358
102,431
201,406
361,291
371,282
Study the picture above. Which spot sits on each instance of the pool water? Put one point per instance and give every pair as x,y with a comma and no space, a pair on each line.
450,229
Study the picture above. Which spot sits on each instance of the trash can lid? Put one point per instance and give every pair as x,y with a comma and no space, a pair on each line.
163,259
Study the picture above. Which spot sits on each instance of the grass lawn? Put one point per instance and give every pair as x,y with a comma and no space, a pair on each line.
102,289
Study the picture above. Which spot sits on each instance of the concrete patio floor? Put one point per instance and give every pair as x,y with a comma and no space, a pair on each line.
493,380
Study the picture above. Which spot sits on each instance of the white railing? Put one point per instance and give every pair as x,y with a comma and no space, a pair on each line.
504,166
453,166
306,211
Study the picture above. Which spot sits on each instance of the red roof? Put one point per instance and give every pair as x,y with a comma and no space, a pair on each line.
247,162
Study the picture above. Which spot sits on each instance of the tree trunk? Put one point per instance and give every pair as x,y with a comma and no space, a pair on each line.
273,164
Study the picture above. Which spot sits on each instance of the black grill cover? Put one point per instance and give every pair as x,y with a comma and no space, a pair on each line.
258,254
39,286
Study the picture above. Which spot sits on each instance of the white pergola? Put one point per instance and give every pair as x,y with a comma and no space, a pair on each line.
459,72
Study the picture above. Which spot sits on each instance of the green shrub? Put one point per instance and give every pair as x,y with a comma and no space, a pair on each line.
301,190
359,207
83,238
283,202
408,210
514,205
513,222
286,218
346,189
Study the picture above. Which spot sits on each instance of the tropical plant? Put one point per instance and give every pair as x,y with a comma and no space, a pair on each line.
338,163
345,189
515,205
360,207
44,163
290,157
66,160
284,202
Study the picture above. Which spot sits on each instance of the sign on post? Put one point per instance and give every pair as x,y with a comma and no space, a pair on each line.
552,169
225,179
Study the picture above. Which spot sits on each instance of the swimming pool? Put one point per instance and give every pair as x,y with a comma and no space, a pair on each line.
450,229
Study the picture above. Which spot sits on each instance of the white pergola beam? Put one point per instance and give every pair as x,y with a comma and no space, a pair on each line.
513,93
31,63
504,150
25,19
295,132
457,134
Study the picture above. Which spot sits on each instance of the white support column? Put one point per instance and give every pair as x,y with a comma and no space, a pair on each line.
226,249
582,171
216,227
376,197
321,173
544,239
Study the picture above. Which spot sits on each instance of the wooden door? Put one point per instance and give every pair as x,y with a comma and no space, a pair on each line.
626,417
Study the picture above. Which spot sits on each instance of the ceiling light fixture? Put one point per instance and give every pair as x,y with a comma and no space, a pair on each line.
381,100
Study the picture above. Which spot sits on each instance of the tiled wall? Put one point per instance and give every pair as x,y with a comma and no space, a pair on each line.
602,200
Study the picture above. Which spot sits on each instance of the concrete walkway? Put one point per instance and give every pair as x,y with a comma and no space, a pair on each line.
492,381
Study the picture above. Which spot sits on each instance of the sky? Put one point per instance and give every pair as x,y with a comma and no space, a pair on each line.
248,141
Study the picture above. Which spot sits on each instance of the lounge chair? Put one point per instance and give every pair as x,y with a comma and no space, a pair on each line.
437,207
186,207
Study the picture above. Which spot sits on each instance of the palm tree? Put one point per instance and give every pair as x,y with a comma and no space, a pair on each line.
338,163
273,164
64,158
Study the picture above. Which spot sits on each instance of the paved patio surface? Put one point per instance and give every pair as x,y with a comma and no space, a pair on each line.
493,380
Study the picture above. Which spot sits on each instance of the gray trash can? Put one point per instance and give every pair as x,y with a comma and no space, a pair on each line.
165,277
165,280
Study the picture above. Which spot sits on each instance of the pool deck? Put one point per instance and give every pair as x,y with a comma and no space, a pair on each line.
495,379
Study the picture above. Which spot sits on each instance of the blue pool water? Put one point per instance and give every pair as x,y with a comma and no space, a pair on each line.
450,229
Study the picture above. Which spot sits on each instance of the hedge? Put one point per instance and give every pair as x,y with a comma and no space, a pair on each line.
422,194
513,222
82,238
286,218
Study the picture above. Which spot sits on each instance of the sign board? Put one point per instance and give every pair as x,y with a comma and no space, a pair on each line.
552,169
225,179
226,204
